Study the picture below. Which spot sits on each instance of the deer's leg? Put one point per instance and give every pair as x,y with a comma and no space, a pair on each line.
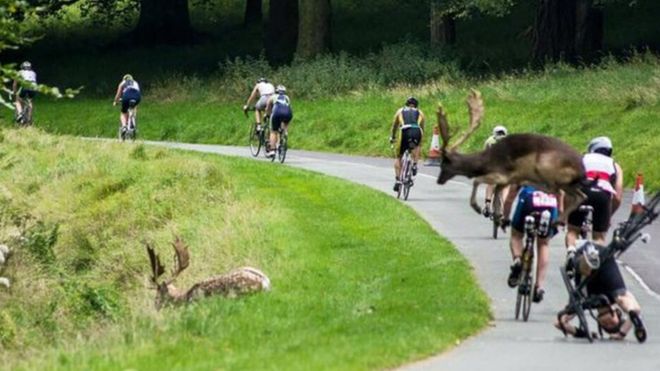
473,197
573,197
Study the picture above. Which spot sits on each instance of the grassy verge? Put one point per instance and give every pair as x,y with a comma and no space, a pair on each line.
619,100
349,290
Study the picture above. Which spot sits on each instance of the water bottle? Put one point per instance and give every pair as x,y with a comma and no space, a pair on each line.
544,223
529,223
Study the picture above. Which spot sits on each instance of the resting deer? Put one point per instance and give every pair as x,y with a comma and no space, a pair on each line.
238,282
539,160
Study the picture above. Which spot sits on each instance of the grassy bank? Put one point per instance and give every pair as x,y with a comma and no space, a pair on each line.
349,291
574,104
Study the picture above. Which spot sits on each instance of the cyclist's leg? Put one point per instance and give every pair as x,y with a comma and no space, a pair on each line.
543,254
275,124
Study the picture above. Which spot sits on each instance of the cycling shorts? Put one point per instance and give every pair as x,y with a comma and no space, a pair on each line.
280,115
531,201
607,280
262,102
409,138
26,93
127,97
600,200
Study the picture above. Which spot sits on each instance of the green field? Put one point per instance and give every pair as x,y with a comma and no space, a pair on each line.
574,104
349,290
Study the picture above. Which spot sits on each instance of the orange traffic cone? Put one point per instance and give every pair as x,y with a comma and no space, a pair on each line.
433,158
638,200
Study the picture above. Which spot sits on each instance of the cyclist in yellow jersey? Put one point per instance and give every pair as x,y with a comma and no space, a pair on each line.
409,125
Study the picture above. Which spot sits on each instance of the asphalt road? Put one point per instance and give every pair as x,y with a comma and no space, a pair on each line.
506,344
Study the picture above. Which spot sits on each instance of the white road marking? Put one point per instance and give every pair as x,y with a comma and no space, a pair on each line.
639,280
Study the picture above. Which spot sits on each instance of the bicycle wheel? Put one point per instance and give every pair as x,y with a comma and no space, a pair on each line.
496,227
402,173
527,298
407,181
519,297
281,150
255,140
121,134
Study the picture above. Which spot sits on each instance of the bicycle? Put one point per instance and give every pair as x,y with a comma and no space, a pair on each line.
537,223
131,123
24,118
579,300
496,219
406,180
282,145
258,136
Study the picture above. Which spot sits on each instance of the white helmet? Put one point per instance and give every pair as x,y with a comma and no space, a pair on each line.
601,145
499,131
26,65
280,89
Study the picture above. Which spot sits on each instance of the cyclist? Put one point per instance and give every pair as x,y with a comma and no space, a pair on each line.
604,192
499,132
21,92
279,110
265,89
409,124
530,200
128,90
607,283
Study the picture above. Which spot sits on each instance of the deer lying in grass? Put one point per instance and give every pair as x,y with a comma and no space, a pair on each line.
539,160
238,282
4,255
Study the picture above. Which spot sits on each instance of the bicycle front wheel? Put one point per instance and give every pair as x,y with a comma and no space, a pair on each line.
254,141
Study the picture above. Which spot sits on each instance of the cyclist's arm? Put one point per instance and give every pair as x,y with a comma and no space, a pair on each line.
618,187
421,120
269,106
395,124
252,96
118,94
508,203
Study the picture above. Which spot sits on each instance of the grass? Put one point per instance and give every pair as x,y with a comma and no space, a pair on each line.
621,100
349,290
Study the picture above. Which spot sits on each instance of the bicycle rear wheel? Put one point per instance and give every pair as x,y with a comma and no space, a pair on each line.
496,227
527,298
281,150
255,140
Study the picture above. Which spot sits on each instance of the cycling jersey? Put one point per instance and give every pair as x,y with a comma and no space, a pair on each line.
281,112
28,75
409,117
129,85
600,168
530,200
280,100
265,88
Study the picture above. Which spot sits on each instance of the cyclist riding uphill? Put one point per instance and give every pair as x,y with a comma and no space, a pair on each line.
409,125
279,110
24,89
531,200
264,89
127,91
499,132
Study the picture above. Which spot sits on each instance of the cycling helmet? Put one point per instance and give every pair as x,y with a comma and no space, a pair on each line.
499,131
588,257
128,77
26,65
280,89
262,79
602,145
412,101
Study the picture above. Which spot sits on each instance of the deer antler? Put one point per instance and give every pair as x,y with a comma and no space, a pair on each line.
181,258
476,111
444,126
157,268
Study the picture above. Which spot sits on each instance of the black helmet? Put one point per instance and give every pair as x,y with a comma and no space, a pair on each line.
412,101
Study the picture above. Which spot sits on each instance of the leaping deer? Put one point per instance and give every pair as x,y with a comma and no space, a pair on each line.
238,282
539,160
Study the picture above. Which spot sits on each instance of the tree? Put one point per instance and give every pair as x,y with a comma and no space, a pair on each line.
314,28
163,21
282,31
253,11
554,31
444,13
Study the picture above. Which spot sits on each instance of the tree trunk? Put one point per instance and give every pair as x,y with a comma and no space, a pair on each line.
282,31
588,30
253,12
163,21
443,26
314,28
554,31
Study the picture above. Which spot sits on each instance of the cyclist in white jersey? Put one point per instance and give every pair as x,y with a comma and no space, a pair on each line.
24,89
127,91
264,89
499,132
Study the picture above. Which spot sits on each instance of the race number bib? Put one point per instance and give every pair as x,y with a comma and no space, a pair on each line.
542,199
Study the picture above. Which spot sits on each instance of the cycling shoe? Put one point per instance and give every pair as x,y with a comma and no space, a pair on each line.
514,275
